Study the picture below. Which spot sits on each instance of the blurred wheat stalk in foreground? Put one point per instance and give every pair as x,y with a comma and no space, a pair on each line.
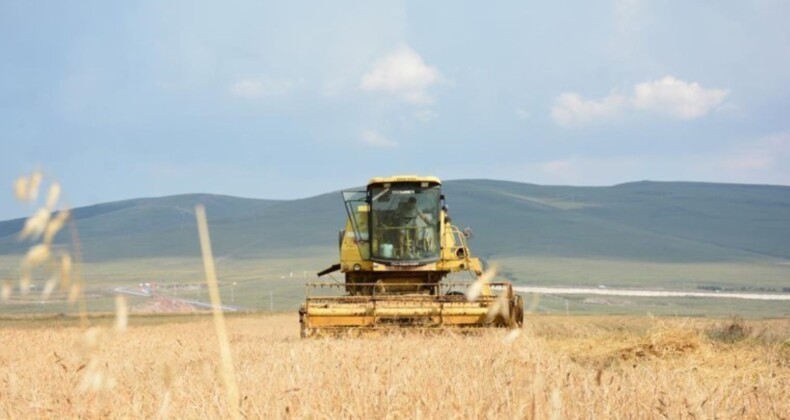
61,268
43,259
228,375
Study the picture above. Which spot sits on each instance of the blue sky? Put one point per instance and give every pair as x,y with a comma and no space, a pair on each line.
285,100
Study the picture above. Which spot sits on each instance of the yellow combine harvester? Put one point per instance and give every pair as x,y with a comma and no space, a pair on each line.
397,246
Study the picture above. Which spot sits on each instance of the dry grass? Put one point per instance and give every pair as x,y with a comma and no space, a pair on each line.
578,367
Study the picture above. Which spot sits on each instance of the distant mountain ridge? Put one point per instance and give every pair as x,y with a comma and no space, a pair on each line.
649,221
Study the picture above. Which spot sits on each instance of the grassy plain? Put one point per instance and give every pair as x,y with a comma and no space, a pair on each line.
278,284
557,367
734,275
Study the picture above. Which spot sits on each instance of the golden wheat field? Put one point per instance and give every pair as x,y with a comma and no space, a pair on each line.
556,367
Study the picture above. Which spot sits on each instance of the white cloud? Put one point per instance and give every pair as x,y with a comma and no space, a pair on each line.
425,115
677,98
334,87
522,113
557,167
627,23
747,162
375,139
668,96
586,170
263,87
763,160
402,73
754,159
570,108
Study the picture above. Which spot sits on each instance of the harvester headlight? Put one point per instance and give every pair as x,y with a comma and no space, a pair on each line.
357,267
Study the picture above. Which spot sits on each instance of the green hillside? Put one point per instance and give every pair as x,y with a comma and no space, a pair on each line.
643,221
649,221
143,227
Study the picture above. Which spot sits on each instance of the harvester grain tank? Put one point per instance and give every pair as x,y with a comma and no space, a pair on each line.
397,247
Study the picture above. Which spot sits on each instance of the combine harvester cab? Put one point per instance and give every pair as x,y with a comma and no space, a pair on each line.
397,247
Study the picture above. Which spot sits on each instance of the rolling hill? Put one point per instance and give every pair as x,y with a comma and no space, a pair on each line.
641,221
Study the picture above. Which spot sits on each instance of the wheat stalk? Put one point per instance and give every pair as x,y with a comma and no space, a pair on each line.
228,375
